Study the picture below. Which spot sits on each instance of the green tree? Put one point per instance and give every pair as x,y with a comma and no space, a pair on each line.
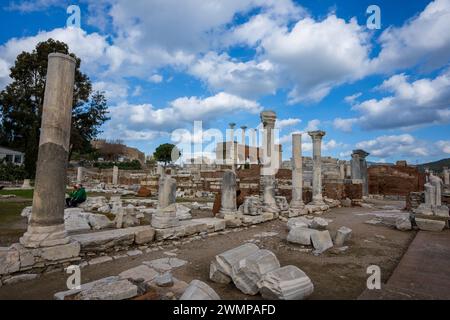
22,100
164,153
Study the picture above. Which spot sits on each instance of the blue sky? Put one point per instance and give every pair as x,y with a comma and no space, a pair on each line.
165,64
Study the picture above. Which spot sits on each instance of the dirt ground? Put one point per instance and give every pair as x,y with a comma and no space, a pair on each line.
335,275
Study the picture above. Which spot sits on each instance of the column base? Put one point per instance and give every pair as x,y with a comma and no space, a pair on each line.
297,204
48,236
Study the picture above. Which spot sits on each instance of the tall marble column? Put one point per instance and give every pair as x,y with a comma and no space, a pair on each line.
348,170
270,162
228,194
115,178
297,172
317,137
342,169
46,227
167,191
446,177
79,174
232,148
359,169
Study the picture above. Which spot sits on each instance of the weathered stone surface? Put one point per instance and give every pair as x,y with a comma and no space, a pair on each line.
166,218
68,251
145,235
100,260
442,211
101,241
199,290
9,261
20,278
225,261
99,221
403,224
140,273
71,293
165,264
300,235
319,224
164,280
299,222
183,212
216,275
114,290
213,224
287,283
430,225
342,236
321,241
76,220
247,272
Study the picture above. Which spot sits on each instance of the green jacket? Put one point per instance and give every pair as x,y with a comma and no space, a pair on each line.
79,195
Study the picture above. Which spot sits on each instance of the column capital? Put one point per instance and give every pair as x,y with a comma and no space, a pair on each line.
361,153
268,118
317,135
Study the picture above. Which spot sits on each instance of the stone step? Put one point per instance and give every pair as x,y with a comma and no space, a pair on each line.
100,241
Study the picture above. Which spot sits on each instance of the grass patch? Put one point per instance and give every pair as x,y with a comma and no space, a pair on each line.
26,194
10,211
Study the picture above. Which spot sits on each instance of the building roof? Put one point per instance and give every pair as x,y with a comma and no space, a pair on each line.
4,150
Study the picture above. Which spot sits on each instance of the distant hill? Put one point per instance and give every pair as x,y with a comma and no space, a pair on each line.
436,166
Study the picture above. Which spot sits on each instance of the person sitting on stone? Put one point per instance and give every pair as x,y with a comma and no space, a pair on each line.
77,197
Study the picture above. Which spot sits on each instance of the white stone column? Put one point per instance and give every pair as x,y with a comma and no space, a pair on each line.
115,178
232,147
348,170
79,174
359,169
342,169
317,137
297,172
270,162
46,227
228,194
167,191
446,177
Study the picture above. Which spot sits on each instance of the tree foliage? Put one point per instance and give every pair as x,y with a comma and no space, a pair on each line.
164,153
21,104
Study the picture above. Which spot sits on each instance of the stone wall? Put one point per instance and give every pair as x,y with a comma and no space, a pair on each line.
395,180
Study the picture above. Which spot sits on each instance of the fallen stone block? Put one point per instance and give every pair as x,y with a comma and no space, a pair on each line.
319,224
99,221
286,283
300,235
342,236
403,224
430,225
165,264
216,275
144,235
225,261
164,280
114,290
299,222
199,290
321,241
247,272
140,273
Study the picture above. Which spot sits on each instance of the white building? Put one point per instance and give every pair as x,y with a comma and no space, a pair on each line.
11,156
